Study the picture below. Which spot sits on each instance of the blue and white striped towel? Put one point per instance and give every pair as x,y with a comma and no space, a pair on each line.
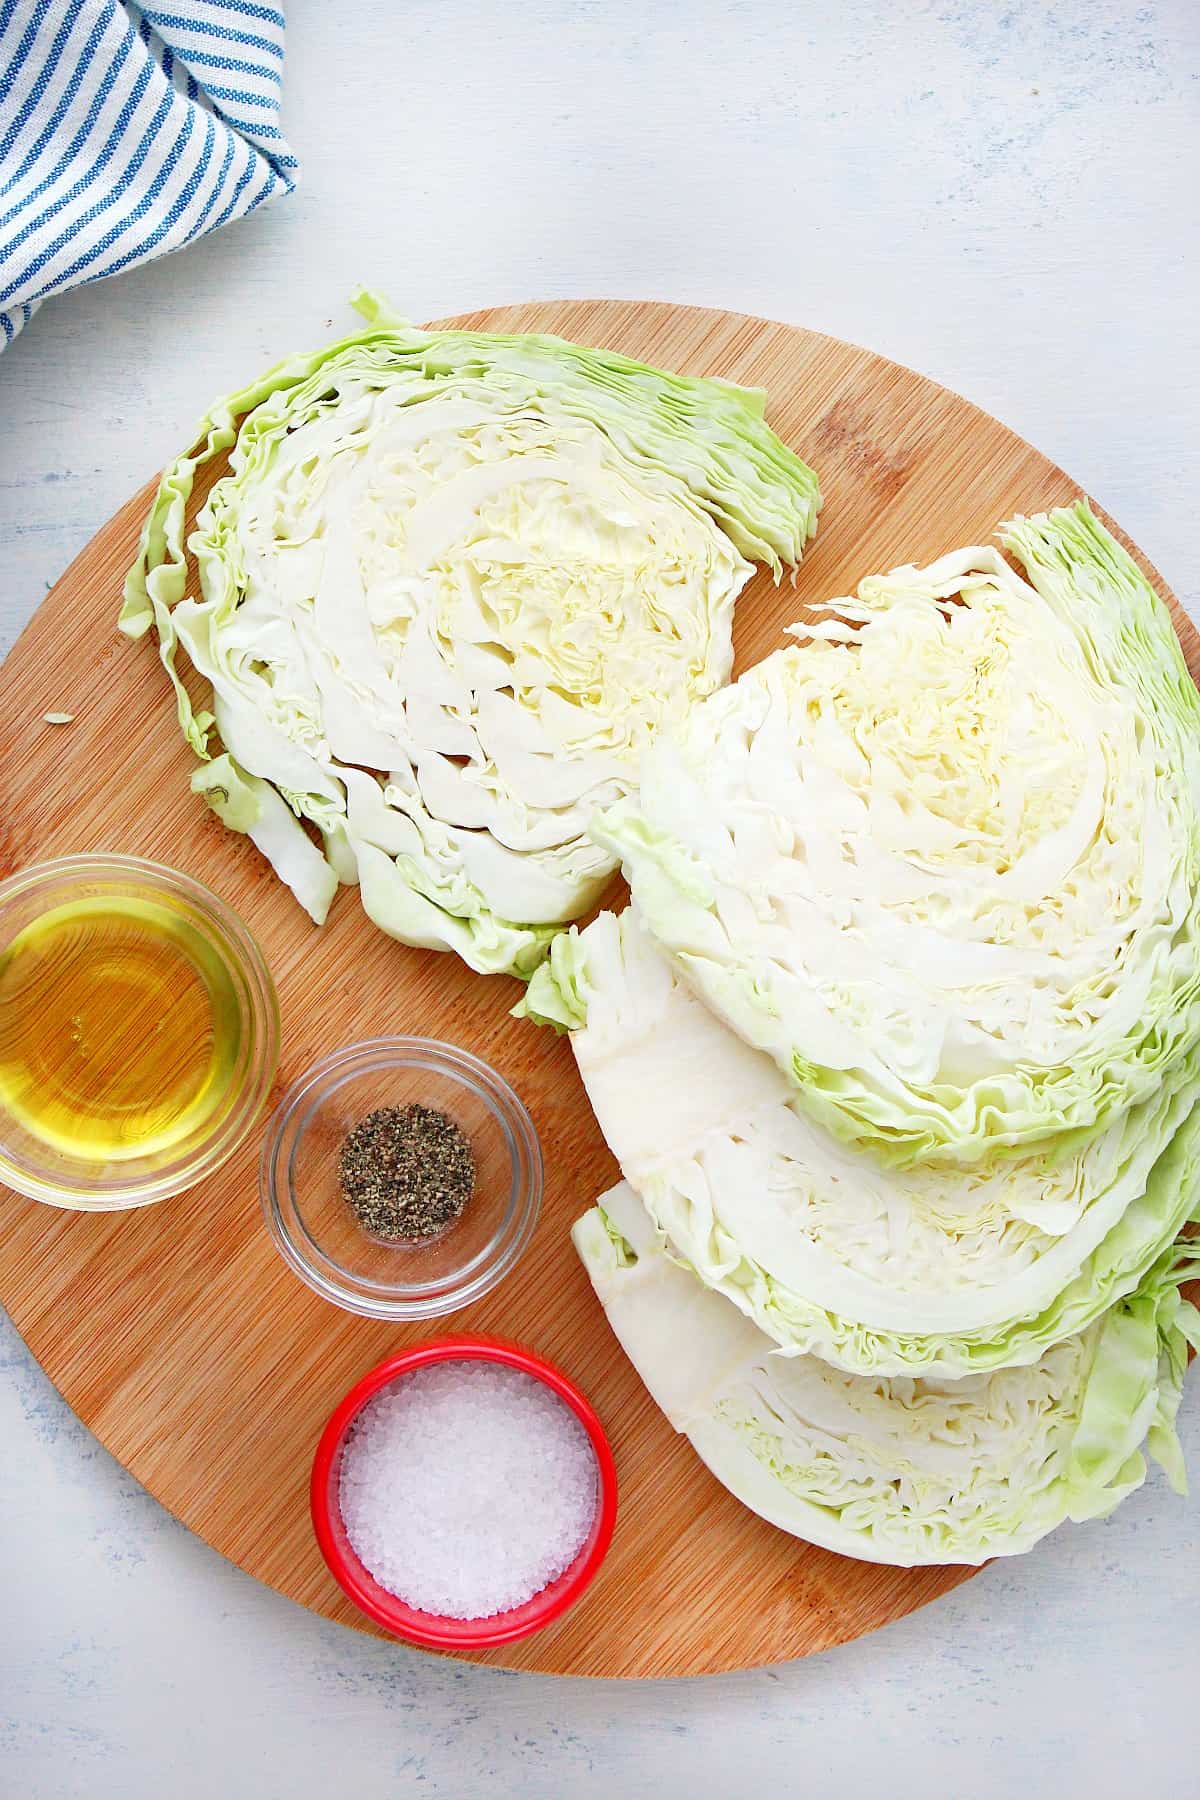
127,131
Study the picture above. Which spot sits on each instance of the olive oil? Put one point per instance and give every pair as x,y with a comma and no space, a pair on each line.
119,1029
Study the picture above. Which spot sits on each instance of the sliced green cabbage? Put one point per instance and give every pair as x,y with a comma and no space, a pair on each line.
938,1269
902,1471
942,860
451,587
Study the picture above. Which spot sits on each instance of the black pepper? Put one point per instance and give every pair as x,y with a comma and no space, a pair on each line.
407,1172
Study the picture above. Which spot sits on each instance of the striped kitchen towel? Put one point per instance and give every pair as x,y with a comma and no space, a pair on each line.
127,131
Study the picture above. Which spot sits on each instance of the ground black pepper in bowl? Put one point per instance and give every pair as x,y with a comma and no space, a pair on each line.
407,1172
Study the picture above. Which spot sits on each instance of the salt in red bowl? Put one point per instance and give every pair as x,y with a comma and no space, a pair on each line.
431,1630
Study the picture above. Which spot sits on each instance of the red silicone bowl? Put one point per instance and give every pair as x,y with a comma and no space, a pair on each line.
431,1630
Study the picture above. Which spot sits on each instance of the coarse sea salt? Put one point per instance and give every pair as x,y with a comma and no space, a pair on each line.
467,1488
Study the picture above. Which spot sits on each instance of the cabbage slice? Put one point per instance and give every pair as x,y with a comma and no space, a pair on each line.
902,1471
942,859
452,586
933,1270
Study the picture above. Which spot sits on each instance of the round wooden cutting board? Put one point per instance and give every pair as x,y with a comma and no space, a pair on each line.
176,1333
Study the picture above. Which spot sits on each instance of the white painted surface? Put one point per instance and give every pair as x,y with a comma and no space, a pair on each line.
998,195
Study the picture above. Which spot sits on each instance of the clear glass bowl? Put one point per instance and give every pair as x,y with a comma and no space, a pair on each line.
53,1174
316,1230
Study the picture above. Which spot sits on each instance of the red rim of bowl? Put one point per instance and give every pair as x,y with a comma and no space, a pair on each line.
431,1630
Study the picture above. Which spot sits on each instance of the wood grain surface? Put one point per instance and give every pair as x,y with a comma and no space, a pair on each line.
176,1333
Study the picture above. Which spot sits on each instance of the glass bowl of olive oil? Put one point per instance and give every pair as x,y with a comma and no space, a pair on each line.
139,1032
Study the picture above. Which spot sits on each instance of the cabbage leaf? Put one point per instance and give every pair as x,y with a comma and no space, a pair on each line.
938,1269
941,859
903,1471
451,587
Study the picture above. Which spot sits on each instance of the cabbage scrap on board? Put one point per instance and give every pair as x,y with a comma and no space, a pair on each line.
452,586
942,858
905,1471
933,1270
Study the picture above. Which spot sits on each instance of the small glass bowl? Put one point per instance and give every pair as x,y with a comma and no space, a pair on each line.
431,1630
42,1172
312,1222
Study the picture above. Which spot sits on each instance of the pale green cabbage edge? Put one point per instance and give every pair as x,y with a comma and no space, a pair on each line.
707,433
559,996
1124,633
1025,1449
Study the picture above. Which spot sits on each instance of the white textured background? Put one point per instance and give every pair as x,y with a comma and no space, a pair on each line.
999,195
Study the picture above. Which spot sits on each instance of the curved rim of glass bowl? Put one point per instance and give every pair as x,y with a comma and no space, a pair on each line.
359,1294
241,953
